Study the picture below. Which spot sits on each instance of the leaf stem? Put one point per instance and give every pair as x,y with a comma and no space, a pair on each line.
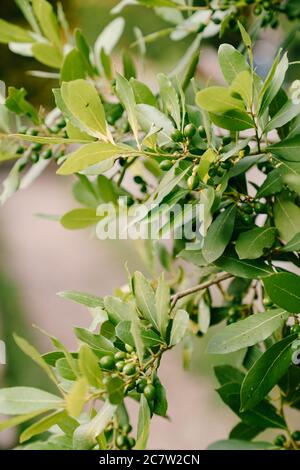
194,289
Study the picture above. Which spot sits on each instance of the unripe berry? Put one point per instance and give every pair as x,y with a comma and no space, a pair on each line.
120,365
202,132
107,362
189,131
129,369
177,136
166,165
149,392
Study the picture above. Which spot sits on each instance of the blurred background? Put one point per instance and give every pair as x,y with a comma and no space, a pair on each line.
39,258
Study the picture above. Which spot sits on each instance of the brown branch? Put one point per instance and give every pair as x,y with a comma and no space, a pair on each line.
197,288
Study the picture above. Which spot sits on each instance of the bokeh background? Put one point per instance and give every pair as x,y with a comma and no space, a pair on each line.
39,258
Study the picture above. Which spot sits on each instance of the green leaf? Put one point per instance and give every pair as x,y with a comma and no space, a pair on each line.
84,103
249,269
142,93
35,356
73,67
245,36
285,114
243,86
284,290
108,38
117,309
217,99
136,331
129,68
126,95
266,372
96,342
232,62
236,444
160,407
287,218
287,149
123,332
89,367
145,298
226,374
42,426
11,33
17,103
248,332
17,420
203,316
115,388
143,427
149,118
293,244
252,243
91,301
24,400
47,54
219,234
273,184
80,218
46,17
85,435
244,431
169,98
76,399
179,326
63,368
162,302
91,154
48,140
273,83
233,120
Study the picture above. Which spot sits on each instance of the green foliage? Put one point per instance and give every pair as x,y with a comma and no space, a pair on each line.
181,145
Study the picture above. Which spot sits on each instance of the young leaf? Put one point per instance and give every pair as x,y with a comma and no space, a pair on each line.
162,302
63,368
150,117
169,98
83,101
219,234
11,33
46,17
91,301
232,62
284,290
89,366
252,243
75,400
115,388
96,342
91,154
179,327
266,372
73,67
143,424
17,420
80,218
145,298
24,400
42,426
85,435
247,332
17,103
126,96
108,38
142,93
47,54
35,356
287,218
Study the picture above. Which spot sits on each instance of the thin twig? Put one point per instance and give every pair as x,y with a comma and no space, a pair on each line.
194,289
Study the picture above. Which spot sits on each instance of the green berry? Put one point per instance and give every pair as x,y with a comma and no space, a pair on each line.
143,189
177,136
193,182
247,208
141,385
260,208
37,147
47,154
247,150
131,442
280,440
122,161
121,441
149,392
127,428
35,157
210,182
33,132
202,132
213,171
107,362
138,180
129,369
257,10
247,219
217,20
20,150
189,131
295,329
128,348
120,355
61,123
131,386
296,435
120,365
166,165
